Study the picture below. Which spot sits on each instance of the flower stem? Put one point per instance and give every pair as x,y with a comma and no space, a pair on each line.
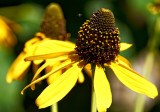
54,107
93,97
93,100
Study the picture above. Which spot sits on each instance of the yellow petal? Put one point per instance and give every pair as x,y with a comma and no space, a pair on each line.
102,90
125,46
134,81
124,61
63,65
31,42
35,67
51,62
54,76
18,68
37,62
48,56
67,44
81,77
13,25
57,90
7,37
88,70
36,76
51,46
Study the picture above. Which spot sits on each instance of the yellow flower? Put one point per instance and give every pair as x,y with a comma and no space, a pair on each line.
154,8
19,67
50,22
98,43
7,29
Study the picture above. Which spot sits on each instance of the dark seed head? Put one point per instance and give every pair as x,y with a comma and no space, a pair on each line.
98,40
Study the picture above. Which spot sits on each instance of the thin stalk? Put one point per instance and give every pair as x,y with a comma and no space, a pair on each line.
54,107
93,101
93,97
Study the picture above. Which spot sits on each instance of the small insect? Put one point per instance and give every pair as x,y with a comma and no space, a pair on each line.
79,14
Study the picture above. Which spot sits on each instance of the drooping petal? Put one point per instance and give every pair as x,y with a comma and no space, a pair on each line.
49,56
36,75
31,46
13,25
7,36
81,77
30,43
63,65
102,90
88,70
67,44
54,76
124,61
18,68
57,90
47,63
134,81
125,46
51,46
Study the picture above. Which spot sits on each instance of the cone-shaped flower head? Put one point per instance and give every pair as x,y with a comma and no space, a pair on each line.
98,40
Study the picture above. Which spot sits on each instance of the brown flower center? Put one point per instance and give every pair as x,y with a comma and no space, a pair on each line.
98,40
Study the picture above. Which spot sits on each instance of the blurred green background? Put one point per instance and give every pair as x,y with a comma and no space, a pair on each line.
136,26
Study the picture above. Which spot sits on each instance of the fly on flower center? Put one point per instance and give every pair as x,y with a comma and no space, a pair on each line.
98,40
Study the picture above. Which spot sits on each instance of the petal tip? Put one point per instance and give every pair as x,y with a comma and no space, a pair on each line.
155,94
32,87
22,92
9,79
125,46
37,103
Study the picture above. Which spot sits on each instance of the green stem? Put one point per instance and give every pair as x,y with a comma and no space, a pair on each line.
93,97
93,102
54,107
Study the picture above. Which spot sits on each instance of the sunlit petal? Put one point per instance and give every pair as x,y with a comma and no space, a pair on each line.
81,77
57,90
125,46
134,81
7,36
63,65
47,63
18,68
54,76
51,46
29,43
66,44
124,61
88,70
36,76
49,56
102,90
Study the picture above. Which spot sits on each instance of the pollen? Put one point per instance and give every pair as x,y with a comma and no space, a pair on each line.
98,40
